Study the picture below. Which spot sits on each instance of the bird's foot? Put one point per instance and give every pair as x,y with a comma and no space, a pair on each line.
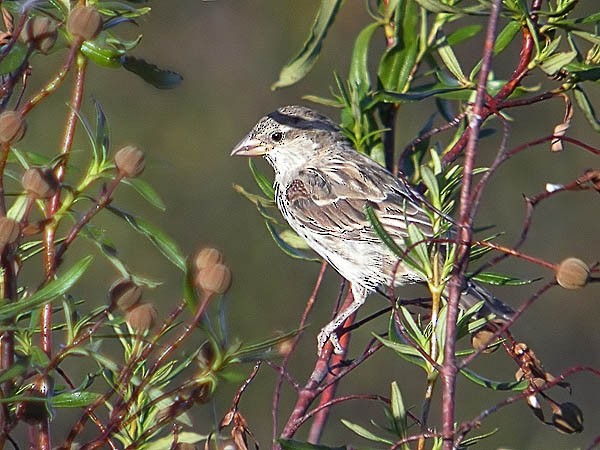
328,334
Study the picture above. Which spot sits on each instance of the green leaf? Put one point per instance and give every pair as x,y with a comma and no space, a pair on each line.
265,185
302,63
74,399
504,38
586,107
152,74
406,352
47,293
451,62
463,34
494,385
359,71
256,200
20,367
415,95
399,411
290,444
189,289
186,437
13,60
399,60
157,237
498,279
146,191
381,233
431,183
286,247
557,61
102,54
364,433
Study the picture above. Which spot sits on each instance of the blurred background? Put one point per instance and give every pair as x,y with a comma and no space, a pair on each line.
229,53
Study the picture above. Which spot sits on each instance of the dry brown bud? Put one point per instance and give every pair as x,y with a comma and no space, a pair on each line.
483,341
124,294
40,32
214,279
12,127
130,161
594,176
142,317
567,418
40,183
572,273
206,356
206,257
84,22
185,446
9,231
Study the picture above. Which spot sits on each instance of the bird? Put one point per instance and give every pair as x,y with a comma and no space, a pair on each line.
322,188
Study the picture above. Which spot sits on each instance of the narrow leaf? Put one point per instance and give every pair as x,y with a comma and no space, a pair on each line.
158,238
74,399
494,385
146,191
359,71
152,74
364,433
49,292
286,247
262,181
303,62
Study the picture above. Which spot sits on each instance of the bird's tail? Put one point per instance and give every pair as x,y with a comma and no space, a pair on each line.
475,293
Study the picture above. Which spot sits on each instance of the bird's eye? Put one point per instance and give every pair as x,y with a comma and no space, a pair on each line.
277,136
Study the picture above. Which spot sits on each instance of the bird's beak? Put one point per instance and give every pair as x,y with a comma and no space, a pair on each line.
249,147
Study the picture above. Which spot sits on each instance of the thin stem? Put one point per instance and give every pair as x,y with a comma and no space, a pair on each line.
449,367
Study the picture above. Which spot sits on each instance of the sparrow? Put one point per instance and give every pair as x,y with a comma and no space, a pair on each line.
322,188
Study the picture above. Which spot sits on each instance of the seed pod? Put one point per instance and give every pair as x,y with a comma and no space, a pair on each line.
142,317
214,279
84,22
572,273
40,183
206,257
9,231
124,294
567,418
130,161
40,32
12,127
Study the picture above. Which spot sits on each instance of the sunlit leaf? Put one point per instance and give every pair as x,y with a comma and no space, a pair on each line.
364,433
286,247
146,191
302,63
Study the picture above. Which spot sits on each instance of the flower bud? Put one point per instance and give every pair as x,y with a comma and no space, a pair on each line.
40,183
572,273
84,22
483,341
142,317
124,294
130,161
40,32
567,418
9,231
214,279
206,257
12,127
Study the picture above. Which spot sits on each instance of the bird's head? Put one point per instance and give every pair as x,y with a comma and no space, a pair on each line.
288,137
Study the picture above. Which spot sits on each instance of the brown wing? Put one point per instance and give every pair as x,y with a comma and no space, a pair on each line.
331,199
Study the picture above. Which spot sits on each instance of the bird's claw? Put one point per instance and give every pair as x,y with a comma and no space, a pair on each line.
327,335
